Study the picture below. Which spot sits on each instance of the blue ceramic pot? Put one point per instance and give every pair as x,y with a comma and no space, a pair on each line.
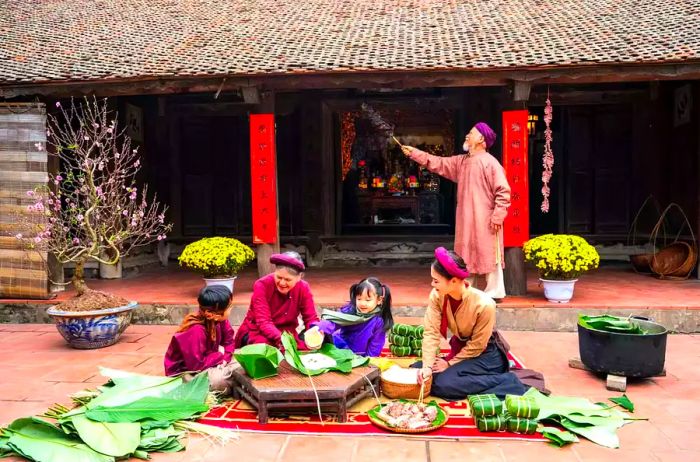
87,330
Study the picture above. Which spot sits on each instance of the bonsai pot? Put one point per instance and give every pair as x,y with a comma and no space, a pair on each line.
87,330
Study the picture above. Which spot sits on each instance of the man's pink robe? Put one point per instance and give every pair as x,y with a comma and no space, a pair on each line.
483,197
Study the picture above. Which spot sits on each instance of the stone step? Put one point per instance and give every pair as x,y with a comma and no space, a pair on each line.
527,318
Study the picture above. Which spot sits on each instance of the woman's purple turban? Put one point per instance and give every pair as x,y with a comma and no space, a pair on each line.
488,134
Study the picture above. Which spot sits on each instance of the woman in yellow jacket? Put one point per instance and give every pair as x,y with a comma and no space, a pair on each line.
477,362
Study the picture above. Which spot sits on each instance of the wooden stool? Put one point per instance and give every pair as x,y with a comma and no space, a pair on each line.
290,392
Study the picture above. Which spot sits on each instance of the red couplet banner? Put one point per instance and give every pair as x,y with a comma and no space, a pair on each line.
516,228
263,178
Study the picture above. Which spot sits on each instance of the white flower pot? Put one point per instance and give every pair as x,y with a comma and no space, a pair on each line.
227,282
558,291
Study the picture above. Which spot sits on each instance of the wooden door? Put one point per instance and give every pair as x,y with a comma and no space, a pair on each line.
215,176
597,153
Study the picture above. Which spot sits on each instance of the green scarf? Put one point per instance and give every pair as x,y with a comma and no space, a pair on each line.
349,319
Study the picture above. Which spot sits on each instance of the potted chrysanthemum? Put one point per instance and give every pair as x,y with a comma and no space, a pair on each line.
217,259
560,259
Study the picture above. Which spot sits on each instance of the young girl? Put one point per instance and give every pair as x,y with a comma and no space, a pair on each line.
361,325
204,340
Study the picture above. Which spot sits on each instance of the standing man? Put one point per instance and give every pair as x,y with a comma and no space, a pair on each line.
483,198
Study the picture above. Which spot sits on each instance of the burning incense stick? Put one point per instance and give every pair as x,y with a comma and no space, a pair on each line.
397,141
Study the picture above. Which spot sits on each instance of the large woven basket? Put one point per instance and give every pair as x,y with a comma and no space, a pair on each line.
675,261
403,390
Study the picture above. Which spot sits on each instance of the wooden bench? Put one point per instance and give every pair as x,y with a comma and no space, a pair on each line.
289,392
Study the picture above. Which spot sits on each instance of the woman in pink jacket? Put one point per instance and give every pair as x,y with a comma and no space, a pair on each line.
278,300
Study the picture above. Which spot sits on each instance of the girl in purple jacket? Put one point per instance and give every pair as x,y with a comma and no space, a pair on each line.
361,325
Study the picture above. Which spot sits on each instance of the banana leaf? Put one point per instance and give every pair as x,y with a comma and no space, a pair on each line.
581,416
149,425
139,454
194,390
162,440
128,389
259,360
345,360
623,401
110,438
149,408
608,323
38,440
5,450
558,437
564,405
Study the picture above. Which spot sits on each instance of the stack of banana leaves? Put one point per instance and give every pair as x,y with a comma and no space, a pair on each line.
608,323
596,422
130,416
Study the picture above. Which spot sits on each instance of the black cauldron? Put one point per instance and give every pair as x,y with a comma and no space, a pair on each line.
627,355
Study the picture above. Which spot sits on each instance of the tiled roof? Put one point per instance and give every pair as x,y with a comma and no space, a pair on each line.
67,40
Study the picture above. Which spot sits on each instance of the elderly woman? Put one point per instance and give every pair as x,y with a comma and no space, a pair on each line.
477,361
278,300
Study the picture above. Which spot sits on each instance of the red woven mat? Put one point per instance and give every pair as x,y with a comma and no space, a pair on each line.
241,416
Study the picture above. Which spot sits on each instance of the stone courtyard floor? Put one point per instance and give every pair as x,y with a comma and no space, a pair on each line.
38,369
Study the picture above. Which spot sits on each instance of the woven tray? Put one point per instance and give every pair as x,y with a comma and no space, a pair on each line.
442,417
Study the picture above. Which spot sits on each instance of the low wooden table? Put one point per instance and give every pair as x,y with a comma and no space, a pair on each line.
291,393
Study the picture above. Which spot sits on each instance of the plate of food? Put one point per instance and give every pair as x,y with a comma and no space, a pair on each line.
404,416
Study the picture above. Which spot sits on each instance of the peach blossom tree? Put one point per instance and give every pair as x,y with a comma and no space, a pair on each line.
92,208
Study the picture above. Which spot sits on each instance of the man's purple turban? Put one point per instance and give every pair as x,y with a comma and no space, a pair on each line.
488,134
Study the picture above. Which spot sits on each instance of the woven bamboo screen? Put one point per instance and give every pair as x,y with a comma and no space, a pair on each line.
23,164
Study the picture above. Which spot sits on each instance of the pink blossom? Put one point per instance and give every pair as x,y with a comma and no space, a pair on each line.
125,213
59,178
161,237
58,104
137,163
95,125
30,193
109,130
76,241
37,239
38,146
18,236
86,138
30,208
132,196
80,217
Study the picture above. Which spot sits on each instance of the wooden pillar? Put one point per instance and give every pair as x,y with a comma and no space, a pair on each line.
515,275
697,180
263,251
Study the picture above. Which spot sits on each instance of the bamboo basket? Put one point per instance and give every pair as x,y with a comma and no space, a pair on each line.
396,390
641,262
678,259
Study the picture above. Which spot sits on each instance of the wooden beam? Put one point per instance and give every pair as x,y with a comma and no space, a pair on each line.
585,97
521,90
367,80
